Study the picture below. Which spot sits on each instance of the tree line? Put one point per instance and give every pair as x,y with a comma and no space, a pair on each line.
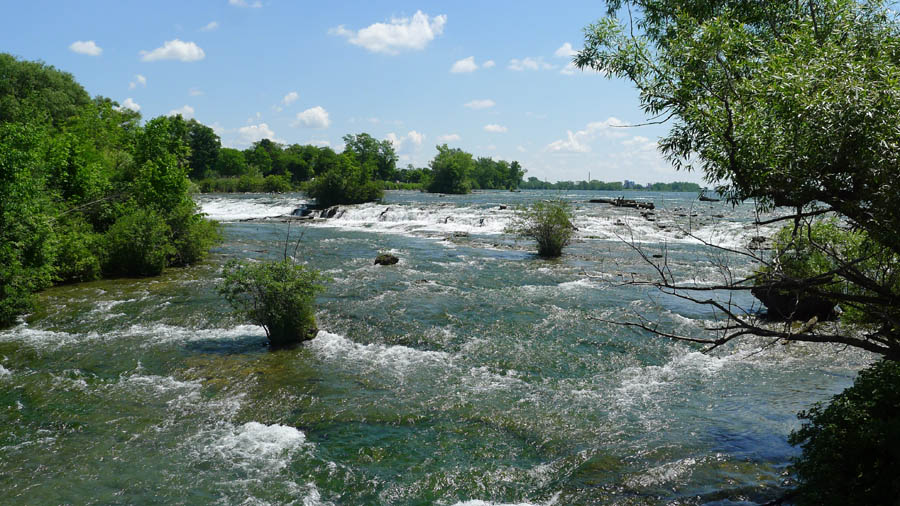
534,183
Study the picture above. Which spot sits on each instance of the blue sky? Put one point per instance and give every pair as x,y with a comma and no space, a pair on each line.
488,77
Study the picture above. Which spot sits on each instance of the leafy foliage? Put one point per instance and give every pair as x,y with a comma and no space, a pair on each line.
547,222
85,190
137,244
279,296
26,253
347,182
851,448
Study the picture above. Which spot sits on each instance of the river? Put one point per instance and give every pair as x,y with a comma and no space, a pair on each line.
470,373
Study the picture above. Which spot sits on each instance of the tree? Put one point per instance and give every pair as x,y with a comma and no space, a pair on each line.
549,223
231,162
205,145
785,102
371,150
450,171
35,92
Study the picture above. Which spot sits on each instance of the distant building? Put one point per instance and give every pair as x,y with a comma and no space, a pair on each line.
628,185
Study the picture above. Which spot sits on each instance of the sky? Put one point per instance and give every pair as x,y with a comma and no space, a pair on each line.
493,78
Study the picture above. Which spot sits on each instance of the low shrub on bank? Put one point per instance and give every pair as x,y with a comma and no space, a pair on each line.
851,447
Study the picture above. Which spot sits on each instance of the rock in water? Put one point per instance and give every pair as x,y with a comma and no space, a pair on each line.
386,259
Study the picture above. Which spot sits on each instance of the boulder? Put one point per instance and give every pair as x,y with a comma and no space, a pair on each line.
785,305
386,259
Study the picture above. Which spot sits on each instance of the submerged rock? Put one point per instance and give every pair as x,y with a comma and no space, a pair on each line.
386,259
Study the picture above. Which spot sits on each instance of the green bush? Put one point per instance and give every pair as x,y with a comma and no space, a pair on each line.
851,448
77,249
279,296
137,244
277,184
192,235
547,222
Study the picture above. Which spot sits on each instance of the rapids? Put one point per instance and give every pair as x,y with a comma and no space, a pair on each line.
470,373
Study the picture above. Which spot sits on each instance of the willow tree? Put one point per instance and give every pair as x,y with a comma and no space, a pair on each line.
788,103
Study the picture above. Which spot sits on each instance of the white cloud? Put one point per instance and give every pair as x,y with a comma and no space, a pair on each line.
195,92
243,3
449,138
130,104
480,104
314,117
497,129
138,80
252,133
520,148
186,111
399,34
565,51
415,137
212,25
321,143
290,98
529,63
488,64
578,142
87,47
412,139
175,50
464,66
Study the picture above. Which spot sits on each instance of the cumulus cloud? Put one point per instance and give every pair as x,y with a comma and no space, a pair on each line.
130,104
252,133
449,138
398,35
212,25
87,47
488,64
578,142
186,111
411,140
314,117
464,66
493,127
565,51
175,50
139,80
529,63
480,104
244,3
290,98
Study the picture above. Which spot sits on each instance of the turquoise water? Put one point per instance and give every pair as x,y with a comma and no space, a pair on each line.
469,373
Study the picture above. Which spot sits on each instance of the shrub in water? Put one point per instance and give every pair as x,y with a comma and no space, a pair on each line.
851,448
279,296
547,222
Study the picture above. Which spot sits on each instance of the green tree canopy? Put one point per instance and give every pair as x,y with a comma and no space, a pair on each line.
205,145
370,150
450,171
